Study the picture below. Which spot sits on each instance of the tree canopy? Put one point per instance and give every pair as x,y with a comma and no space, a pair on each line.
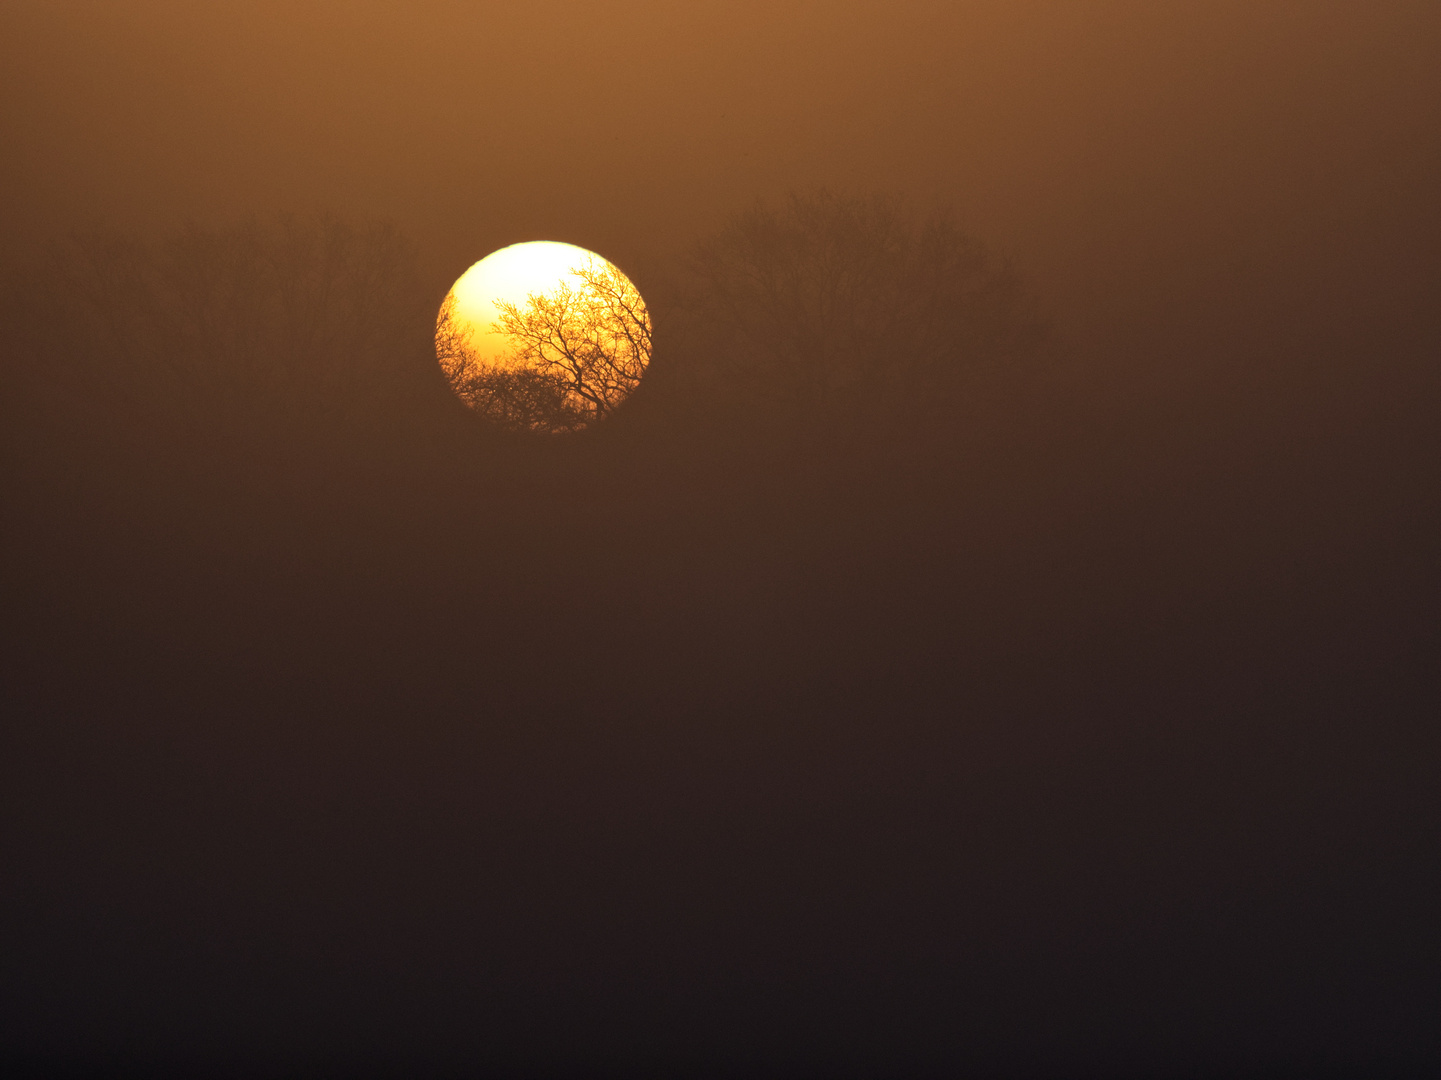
853,314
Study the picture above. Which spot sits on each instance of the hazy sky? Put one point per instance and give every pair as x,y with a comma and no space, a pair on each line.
1094,722
1103,143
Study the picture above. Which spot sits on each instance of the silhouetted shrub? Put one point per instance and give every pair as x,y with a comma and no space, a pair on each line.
292,324
851,321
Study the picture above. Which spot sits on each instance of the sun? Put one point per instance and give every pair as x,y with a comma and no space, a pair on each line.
511,275
543,336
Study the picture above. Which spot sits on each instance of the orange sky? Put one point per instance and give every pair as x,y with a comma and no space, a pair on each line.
1131,155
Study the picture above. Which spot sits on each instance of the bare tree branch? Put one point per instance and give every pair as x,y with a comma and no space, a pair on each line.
576,353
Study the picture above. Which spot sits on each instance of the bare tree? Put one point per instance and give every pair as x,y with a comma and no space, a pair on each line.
853,317
311,316
576,353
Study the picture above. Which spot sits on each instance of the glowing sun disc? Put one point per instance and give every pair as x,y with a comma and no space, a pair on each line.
543,337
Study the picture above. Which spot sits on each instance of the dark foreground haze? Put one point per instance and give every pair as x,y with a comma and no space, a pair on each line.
997,639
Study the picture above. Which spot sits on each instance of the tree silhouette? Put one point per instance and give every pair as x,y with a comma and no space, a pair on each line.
851,317
576,353
311,317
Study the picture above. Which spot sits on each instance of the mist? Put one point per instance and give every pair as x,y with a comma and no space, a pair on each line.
1012,657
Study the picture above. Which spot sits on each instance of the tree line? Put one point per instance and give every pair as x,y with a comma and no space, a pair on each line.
823,325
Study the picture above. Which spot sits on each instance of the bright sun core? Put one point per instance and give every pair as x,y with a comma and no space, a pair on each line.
511,274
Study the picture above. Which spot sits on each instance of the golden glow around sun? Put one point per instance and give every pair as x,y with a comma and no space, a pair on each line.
543,336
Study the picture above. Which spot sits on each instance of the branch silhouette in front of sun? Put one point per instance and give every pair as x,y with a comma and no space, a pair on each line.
575,353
